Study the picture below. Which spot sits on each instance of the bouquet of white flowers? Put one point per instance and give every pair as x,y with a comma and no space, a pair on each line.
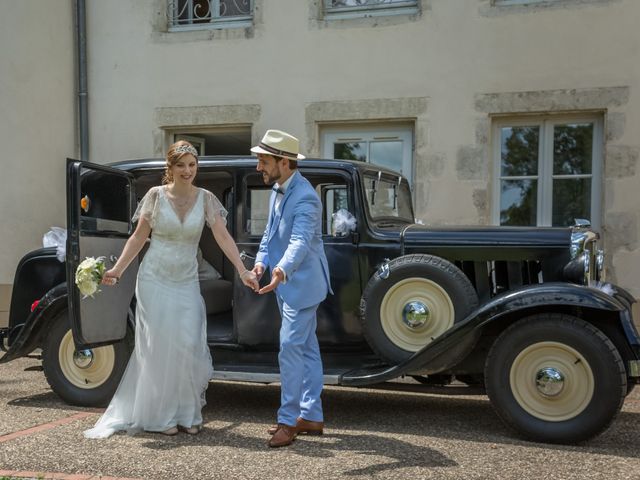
89,275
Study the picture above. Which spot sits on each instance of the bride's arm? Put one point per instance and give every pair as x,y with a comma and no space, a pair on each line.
130,251
230,249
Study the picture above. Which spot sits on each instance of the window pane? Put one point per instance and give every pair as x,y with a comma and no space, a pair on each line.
571,200
205,12
234,8
518,202
572,148
335,198
519,150
386,154
386,199
201,11
350,151
368,3
107,201
258,210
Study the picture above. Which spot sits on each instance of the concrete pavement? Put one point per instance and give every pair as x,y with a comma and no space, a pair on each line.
369,434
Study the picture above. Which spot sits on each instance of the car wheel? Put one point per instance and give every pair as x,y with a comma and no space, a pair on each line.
555,378
88,377
421,297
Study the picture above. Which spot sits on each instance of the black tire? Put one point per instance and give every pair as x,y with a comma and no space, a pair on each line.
581,405
64,376
431,280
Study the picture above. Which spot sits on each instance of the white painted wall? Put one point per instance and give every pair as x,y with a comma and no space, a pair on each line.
37,122
456,50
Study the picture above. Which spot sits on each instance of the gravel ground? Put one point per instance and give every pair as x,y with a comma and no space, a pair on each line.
369,434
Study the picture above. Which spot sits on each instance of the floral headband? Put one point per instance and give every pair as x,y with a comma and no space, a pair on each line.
181,149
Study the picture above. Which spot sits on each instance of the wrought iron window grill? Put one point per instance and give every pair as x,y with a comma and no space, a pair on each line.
199,14
347,8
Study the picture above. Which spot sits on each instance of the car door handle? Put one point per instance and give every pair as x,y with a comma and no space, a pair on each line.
244,255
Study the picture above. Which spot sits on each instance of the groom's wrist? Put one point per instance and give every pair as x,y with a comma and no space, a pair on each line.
281,274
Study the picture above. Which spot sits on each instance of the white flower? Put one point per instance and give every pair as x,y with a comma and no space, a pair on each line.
89,275
87,288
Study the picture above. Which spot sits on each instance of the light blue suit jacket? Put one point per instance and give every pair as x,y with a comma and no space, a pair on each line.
292,241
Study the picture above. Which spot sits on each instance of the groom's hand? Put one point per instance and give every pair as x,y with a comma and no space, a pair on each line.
277,276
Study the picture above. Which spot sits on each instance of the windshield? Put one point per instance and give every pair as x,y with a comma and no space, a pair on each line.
388,199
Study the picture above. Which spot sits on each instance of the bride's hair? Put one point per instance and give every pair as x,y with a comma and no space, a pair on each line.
176,152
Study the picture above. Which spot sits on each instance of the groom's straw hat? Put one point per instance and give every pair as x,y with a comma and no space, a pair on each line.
277,142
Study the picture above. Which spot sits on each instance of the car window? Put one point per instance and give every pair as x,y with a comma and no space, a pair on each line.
105,202
388,198
257,209
332,190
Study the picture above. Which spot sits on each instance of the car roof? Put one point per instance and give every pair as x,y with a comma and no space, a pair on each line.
250,162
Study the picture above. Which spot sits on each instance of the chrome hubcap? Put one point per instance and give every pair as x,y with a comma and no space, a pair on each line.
83,358
549,381
415,314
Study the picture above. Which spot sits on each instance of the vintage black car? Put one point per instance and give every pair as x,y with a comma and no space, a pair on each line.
522,312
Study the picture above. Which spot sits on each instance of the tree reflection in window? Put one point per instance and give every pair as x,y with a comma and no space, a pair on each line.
519,158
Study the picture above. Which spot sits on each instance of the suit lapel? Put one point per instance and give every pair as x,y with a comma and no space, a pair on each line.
277,215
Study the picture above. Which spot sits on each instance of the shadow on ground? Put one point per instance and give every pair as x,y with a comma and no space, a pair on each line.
401,454
376,412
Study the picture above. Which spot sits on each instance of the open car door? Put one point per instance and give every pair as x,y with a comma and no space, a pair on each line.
100,203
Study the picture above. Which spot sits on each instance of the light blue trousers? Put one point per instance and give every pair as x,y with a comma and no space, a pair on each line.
300,365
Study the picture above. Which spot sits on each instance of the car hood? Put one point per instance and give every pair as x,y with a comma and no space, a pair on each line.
449,236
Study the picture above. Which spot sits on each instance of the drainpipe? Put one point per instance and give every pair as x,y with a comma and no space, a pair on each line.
83,110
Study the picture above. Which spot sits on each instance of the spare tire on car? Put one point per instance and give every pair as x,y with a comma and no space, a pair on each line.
412,300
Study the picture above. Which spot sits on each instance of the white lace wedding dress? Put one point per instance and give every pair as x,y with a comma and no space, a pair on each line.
165,382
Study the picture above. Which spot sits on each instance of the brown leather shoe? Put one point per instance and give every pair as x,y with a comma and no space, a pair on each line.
308,427
285,435
304,427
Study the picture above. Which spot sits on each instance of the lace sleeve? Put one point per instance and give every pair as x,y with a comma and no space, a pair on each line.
213,209
147,207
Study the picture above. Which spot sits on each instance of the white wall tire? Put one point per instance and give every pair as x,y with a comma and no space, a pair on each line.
426,292
80,382
422,297
555,378
89,373
577,388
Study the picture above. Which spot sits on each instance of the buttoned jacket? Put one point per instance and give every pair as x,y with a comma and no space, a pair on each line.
292,241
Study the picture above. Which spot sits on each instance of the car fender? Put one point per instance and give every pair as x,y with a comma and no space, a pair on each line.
455,344
36,325
29,335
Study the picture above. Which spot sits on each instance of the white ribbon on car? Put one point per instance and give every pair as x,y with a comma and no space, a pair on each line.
56,237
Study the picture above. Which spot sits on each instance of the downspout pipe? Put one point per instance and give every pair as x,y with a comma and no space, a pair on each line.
83,108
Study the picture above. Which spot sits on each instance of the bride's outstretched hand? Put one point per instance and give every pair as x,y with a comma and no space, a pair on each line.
250,280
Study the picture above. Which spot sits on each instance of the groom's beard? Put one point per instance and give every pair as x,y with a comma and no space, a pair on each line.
270,179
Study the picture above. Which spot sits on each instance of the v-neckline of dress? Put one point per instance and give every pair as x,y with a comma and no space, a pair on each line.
173,209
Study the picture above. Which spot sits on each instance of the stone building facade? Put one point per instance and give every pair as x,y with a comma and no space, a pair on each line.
498,111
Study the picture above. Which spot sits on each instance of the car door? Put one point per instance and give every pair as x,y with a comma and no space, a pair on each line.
100,203
256,317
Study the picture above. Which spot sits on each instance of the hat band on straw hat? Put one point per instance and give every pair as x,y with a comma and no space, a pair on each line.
275,151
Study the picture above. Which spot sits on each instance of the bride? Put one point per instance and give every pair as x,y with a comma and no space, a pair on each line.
164,385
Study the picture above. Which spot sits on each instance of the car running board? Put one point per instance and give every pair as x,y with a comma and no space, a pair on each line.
263,377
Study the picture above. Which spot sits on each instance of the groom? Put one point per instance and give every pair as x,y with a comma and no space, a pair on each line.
292,248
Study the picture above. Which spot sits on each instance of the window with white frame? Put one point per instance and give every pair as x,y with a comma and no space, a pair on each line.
548,170
521,2
202,14
368,8
390,146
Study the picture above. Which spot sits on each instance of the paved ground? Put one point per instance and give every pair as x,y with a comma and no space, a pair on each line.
370,434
